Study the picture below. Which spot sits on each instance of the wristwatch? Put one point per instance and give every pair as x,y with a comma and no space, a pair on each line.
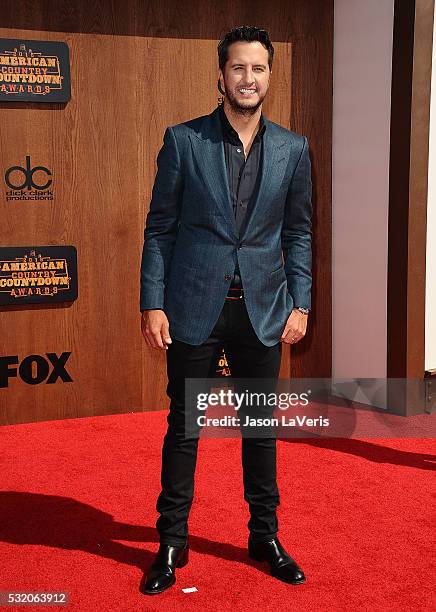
303,310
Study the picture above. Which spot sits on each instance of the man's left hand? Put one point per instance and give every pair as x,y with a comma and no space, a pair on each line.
295,327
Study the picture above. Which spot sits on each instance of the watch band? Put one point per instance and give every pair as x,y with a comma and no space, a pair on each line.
303,310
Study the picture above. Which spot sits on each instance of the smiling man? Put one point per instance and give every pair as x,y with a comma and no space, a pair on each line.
226,262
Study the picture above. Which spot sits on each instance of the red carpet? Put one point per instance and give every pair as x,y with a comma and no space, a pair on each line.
77,514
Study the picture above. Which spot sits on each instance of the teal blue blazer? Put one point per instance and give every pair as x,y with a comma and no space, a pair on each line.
191,243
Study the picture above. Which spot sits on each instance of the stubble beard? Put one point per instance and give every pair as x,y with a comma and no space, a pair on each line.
245,111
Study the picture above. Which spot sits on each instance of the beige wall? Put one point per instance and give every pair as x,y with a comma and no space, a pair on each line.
361,119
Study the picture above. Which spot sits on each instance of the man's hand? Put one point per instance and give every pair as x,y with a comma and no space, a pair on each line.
295,327
155,329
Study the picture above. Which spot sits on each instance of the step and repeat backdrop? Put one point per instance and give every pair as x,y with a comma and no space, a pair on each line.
82,120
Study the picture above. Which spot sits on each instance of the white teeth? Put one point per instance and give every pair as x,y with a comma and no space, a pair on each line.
247,90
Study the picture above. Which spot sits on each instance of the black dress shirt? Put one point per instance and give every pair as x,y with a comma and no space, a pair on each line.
243,174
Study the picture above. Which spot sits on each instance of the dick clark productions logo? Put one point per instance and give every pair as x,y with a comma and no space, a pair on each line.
28,182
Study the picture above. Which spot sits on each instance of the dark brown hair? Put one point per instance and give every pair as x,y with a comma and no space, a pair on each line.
248,34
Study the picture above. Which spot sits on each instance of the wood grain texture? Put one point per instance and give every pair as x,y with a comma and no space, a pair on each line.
137,67
410,120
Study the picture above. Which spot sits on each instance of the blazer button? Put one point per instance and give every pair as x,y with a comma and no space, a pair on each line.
227,277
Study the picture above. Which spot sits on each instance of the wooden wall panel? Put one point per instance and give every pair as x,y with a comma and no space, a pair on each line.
91,147
408,173
137,67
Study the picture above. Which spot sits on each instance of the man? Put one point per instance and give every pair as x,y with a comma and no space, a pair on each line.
226,262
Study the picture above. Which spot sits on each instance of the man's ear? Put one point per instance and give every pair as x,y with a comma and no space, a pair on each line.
219,84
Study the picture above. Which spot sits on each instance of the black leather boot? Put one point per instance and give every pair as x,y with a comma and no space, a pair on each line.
161,574
282,565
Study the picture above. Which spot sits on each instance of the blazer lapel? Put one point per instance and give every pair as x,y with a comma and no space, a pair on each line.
208,149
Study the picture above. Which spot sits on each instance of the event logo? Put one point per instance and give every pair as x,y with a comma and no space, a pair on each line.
35,369
38,274
222,368
28,183
34,71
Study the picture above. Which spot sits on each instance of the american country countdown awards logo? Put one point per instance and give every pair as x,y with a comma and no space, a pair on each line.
31,275
28,182
222,366
34,71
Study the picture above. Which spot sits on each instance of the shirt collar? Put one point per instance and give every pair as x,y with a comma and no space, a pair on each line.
232,133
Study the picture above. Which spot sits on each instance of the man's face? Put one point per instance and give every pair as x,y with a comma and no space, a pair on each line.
246,75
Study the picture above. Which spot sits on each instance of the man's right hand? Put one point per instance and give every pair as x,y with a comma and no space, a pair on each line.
155,329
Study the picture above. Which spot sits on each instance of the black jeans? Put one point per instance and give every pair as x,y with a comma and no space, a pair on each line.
247,357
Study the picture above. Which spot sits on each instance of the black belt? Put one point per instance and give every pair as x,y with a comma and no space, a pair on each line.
235,293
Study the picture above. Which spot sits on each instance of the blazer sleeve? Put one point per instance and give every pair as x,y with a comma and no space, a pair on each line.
297,231
161,225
